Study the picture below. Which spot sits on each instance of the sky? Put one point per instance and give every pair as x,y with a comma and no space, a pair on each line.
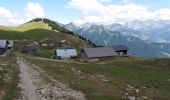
16,12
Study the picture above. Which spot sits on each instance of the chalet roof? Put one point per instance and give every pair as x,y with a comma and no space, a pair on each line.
2,51
31,47
71,52
99,52
46,40
63,40
120,47
3,43
66,53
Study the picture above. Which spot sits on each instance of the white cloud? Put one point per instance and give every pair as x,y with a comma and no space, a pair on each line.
97,11
163,14
7,17
32,10
5,13
87,6
105,0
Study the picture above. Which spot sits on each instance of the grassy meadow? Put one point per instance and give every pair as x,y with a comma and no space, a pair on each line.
114,80
26,27
9,78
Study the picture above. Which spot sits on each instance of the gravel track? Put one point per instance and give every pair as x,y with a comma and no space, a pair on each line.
35,87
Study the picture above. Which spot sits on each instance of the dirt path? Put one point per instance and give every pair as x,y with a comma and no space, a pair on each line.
34,86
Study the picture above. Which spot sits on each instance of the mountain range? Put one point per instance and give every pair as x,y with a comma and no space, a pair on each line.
149,39
144,38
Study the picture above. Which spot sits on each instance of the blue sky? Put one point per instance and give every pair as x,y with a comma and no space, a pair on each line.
13,12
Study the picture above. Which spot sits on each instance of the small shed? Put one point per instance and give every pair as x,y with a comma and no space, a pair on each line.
94,54
121,50
30,49
66,53
65,44
46,42
11,44
3,46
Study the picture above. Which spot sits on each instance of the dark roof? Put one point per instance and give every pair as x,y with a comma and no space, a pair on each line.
99,52
2,51
120,47
31,47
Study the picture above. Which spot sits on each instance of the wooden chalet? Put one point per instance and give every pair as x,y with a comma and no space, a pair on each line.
46,42
121,50
30,49
96,54
65,44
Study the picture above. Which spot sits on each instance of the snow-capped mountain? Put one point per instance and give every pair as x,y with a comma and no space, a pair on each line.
72,26
128,31
148,24
158,31
136,35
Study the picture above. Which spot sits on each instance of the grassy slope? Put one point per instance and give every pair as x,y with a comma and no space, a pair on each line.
150,76
7,28
9,85
26,27
36,31
32,25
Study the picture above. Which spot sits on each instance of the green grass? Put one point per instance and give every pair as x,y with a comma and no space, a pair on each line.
9,85
89,86
26,27
33,25
150,76
37,31
7,28
47,52
35,34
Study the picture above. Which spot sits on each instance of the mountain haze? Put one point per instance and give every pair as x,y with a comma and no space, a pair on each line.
141,42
